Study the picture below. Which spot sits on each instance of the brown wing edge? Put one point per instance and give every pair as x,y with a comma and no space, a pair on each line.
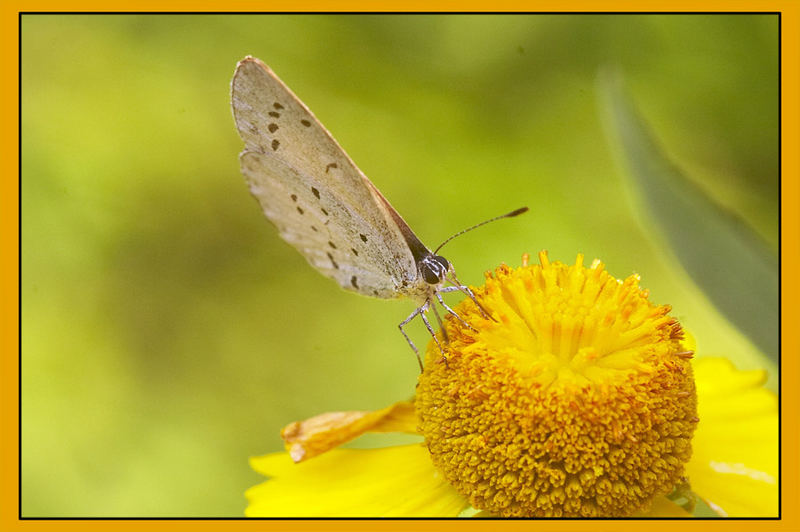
418,249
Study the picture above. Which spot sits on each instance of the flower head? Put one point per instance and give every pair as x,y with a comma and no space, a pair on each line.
577,400
567,393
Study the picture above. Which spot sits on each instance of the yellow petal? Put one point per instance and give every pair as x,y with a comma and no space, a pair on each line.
734,465
720,379
305,439
388,482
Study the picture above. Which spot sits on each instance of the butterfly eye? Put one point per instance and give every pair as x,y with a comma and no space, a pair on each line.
433,268
443,262
430,273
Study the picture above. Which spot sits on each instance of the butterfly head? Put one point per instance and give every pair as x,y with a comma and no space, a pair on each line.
433,268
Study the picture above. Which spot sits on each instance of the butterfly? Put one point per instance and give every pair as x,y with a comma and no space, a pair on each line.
325,207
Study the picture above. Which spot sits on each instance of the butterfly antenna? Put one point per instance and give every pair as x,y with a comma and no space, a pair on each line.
507,215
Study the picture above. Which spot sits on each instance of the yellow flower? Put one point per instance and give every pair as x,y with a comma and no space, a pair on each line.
577,398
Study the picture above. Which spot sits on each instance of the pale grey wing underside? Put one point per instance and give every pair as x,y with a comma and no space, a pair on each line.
332,243
310,189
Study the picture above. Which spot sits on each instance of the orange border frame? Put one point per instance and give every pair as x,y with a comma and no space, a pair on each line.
9,259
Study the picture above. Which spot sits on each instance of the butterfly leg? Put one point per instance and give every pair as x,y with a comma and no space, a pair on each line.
430,329
458,286
448,289
451,311
418,310
441,324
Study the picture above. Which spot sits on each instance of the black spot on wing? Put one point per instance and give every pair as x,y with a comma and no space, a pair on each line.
272,127
275,144
332,261
331,165
315,192
354,251
324,212
331,244
277,106
314,229
294,197
273,114
301,211
354,282
305,123
363,237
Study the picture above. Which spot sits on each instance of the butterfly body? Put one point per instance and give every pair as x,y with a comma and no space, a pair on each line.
319,200
324,206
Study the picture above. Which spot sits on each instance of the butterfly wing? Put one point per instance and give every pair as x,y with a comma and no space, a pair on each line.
321,203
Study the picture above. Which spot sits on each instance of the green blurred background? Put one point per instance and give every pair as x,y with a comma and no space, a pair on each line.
168,333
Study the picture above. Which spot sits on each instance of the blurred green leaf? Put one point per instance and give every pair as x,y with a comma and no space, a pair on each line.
723,255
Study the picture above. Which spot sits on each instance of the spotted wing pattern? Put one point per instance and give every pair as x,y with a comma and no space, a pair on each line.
321,203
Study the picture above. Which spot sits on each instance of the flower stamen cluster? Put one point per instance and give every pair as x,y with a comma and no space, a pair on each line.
578,399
